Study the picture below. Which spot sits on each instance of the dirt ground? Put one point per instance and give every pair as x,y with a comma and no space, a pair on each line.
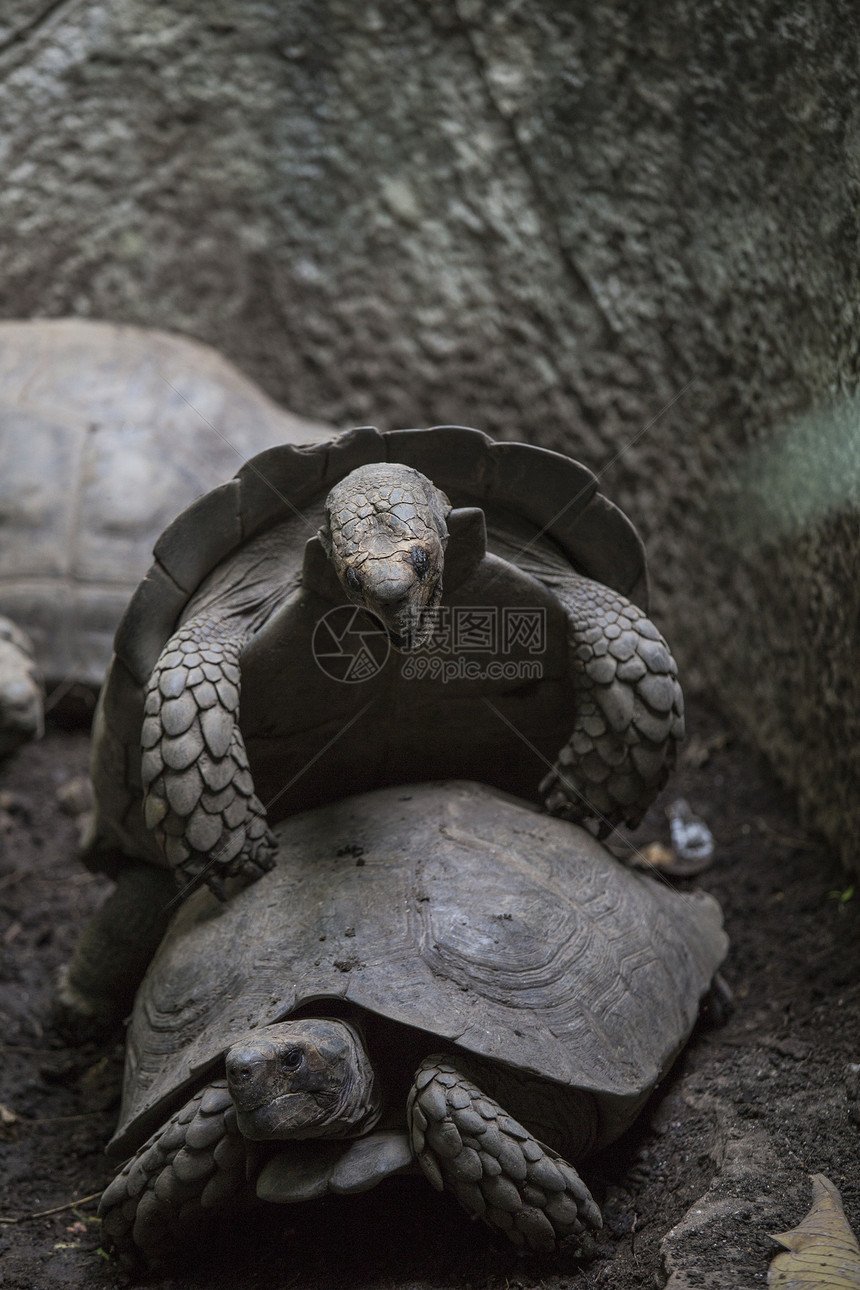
719,1160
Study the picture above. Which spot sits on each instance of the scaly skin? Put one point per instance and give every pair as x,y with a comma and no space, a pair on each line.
190,1167
629,710
198,792
466,1143
299,1080
629,713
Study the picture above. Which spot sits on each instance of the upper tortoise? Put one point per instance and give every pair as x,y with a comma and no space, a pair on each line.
534,578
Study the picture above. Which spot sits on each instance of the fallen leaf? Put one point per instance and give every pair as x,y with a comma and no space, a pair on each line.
656,854
8,1122
823,1251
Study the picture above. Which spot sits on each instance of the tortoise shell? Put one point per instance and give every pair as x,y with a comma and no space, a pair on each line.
106,432
446,907
245,549
555,496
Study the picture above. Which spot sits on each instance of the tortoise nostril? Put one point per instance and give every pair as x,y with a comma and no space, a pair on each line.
241,1067
392,598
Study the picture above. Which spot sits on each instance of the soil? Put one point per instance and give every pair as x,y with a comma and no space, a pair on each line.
719,1160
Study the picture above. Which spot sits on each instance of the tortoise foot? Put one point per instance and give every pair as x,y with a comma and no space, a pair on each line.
96,989
466,1143
81,1018
191,1166
629,712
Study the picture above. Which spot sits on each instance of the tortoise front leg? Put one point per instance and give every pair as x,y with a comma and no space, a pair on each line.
199,796
629,715
193,1165
464,1141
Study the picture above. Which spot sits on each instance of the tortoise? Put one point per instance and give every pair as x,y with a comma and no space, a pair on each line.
22,716
106,432
266,584
435,975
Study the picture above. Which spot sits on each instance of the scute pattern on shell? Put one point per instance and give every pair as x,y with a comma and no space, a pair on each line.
552,491
593,981
209,545
106,432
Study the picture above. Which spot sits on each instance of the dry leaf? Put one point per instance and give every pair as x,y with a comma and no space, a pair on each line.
823,1251
656,854
8,1123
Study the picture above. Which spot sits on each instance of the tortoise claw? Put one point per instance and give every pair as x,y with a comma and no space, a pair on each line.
215,883
265,862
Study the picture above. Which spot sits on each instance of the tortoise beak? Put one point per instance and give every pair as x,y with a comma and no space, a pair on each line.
404,605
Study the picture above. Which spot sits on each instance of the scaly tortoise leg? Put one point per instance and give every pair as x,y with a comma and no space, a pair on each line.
629,715
464,1141
199,796
191,1166
96,989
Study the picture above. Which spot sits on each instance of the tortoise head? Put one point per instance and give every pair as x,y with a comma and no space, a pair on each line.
303,1079
385,533
21,697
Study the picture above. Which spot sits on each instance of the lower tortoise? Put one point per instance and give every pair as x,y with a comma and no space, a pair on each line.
435,977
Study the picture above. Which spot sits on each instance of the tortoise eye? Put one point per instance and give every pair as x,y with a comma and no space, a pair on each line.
353,582
420,561
292,1059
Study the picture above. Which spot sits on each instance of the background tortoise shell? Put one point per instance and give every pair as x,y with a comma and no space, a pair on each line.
106,433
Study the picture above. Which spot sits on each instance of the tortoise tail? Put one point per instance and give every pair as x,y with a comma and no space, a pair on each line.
199,796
